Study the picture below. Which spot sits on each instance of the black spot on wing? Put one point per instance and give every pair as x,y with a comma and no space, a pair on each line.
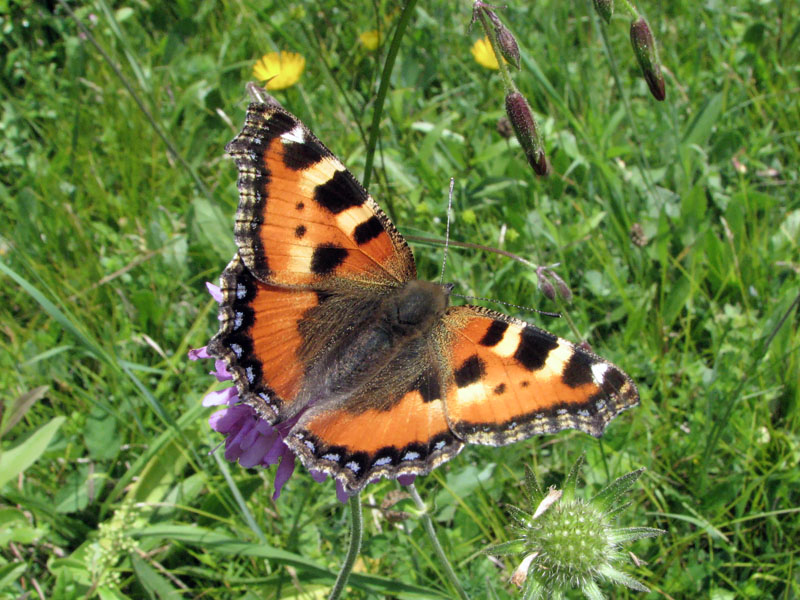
299,156
326,258
534,346
339,193
578,370
428,386
500,389
494,334
368,230
299,231
471,370
613,381
300,206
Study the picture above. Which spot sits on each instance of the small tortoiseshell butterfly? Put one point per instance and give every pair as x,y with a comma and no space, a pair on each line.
326,328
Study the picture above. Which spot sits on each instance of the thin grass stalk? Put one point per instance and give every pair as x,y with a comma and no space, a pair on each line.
383,89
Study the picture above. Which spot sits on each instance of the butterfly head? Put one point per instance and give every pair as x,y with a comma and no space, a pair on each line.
419,305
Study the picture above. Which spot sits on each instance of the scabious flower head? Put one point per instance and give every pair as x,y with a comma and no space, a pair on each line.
249,439
484,55
569,542
644,47
279,70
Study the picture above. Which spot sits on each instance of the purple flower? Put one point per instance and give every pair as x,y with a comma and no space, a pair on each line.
250,439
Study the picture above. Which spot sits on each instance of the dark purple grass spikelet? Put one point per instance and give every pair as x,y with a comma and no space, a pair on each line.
527,131
644,47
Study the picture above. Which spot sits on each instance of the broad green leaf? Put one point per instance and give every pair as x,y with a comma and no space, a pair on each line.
15,460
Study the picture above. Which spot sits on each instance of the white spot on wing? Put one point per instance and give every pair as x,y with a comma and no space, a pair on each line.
237,350
599,372
241,291
411,455
353,466
296,135
385,460
238,319
250,375
332,456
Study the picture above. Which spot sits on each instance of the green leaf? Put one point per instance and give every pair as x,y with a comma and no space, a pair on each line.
700,128
156,585
17,459
10,573
611,494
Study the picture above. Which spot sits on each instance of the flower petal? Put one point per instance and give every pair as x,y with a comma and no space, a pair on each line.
255,451
221,371
221,397
284,471
340,493
215,291
198,353
318,476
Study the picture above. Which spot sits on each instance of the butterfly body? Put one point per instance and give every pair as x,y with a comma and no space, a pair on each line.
325,327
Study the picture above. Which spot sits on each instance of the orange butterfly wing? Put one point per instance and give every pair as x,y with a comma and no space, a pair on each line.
303,218
396,426
511,380
259,339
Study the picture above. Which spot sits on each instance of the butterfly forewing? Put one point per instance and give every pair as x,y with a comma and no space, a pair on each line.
303,218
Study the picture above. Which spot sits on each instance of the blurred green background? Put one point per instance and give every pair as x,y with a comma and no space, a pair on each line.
676,225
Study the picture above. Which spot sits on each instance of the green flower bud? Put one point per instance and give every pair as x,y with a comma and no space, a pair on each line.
527,131
644,47
604,8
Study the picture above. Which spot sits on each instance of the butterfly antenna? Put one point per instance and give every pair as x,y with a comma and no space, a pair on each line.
525,308
447,230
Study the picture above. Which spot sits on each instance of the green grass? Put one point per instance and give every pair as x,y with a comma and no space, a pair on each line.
107,238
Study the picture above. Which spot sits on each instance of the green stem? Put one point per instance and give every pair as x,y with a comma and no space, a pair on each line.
356,533
631,9
437,546
508,83
386,76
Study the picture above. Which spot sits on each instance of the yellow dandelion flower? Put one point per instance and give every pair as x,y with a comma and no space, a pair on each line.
370,39
483,54
279,69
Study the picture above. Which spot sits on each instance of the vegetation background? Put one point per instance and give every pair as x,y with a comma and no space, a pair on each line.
107,238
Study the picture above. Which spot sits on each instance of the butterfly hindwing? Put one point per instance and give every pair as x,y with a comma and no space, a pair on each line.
394,425
511,380
260,339
303,218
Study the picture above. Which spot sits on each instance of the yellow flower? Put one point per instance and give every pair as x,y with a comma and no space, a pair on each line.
483,54
370,39
279,69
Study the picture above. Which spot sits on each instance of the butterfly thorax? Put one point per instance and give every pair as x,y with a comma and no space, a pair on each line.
399,319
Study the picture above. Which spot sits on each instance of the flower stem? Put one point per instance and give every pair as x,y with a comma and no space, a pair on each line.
508,83
356,533
437,546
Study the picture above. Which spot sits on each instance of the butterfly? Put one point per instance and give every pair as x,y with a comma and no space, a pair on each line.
327,331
